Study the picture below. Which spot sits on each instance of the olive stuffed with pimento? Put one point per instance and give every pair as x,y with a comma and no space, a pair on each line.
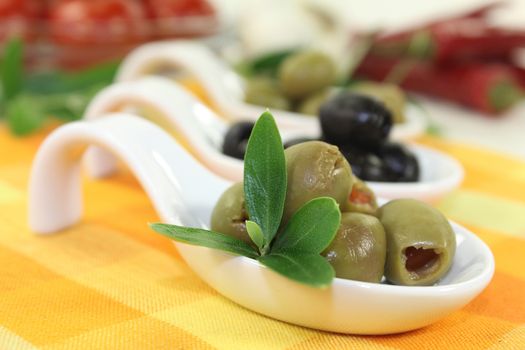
407,242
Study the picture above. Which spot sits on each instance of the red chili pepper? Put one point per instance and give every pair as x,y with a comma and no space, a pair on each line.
458,38
519,73
487,87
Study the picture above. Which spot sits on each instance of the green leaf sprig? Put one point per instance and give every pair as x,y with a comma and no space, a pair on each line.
266,64
28,101
293,250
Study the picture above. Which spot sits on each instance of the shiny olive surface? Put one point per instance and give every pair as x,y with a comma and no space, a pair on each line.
236,139
420,242
366,164
315,169
229,214
305,73
387,162
354,119
263,91
400,162
391,95
361,199
358,251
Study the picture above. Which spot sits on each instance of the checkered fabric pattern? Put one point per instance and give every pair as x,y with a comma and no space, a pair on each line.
110,283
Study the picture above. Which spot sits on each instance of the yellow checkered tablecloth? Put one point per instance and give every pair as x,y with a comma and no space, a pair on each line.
110,283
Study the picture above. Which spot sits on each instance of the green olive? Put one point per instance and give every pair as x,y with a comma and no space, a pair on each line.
315,169
358,251
312,104
391,95
305,73
265,92
229,214
421,242
362,199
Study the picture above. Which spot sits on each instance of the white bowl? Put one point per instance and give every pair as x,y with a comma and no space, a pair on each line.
226,88
184,192
177,110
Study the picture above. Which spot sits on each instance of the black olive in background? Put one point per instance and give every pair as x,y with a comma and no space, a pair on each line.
401,162
236,139
349,118
296,141
366,165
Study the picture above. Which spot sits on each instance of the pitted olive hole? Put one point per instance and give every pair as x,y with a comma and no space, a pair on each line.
241,219
420,260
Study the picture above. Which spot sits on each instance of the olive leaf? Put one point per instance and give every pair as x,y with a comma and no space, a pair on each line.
205,238
255,233
11,69
307,268
29,100
265,176
269,63
59,82
296,251
311,229
24,115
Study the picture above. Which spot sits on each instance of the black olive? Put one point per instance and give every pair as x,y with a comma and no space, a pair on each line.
349,118
236,139
367,165
400,161
292,142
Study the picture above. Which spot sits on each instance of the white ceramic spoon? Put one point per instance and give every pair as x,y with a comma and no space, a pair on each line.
176,109
184,192
226,88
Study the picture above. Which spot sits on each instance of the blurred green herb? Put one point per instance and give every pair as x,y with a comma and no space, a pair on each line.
24,116
267,64
28,101
11,69
294,251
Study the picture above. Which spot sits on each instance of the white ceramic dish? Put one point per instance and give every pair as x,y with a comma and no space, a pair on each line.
226,88
176,109
184,192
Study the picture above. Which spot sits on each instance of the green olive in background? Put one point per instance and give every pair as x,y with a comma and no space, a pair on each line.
229,214
311,104
420,242
358,251
391,95
263,91
361,199
315,169
305,73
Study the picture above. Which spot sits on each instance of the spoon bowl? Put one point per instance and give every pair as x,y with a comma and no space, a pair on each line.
184,192
195,125
226,88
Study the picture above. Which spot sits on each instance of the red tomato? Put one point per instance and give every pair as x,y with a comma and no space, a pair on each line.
16,17
97,21
177,8
25,8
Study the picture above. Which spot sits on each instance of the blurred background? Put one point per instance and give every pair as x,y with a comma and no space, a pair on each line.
461,62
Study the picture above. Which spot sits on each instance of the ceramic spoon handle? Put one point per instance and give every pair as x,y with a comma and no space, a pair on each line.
175,182
174,109
223,85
